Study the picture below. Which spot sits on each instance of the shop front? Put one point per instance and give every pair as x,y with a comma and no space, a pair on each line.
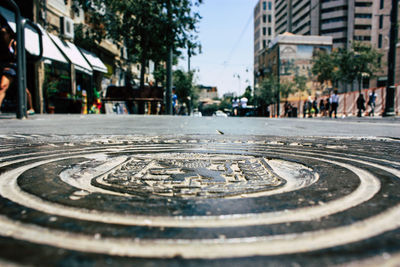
74,99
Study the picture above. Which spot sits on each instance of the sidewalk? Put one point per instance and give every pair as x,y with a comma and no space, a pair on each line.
65,124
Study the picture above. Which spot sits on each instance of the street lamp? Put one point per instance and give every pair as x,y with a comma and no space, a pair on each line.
237,76
391,88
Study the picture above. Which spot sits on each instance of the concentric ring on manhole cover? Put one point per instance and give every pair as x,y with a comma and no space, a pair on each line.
198,198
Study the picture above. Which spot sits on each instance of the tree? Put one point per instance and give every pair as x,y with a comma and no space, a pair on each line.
184,88
300,82
145,27
325,67
266,95
286,88
361,60
248,94
347,65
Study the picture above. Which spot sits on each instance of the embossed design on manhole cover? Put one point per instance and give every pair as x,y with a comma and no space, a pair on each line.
158,198
191,175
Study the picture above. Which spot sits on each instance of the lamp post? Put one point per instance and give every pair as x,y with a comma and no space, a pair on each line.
391,88
237,76
168,93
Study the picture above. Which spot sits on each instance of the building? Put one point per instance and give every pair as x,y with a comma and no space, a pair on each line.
264,27
73,72
345,21
297,16
291,55
207,94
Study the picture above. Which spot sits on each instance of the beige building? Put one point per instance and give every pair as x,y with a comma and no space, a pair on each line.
72,73
264,27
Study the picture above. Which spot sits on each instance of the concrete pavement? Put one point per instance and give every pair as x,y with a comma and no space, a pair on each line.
178,125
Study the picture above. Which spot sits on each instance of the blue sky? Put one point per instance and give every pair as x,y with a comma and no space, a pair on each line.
226,36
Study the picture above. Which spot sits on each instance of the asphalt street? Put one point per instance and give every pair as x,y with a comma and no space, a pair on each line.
97,190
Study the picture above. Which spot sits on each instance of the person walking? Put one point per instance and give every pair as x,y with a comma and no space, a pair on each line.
322,107
327,107
8,65
315,107
360,105
334,103
372,102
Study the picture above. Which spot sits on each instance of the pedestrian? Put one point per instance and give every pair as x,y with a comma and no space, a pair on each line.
309,106
315,107
360,105
286,108
327,107
334,103
305,108
372,102
8,63
322,107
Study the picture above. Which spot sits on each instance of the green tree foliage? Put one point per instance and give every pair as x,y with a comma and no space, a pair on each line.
184,88
325,67
361,60
249,95
347,65
183,84
286,88
300,83
226,103
145,27
267,92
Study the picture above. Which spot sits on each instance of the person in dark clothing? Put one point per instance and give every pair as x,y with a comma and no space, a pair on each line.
322,107
8,65
360,105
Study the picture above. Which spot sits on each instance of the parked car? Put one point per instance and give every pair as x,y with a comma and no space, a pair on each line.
197,114
220,113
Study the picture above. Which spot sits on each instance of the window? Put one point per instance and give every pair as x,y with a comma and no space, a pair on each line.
269,31
58,4
380,41
380,21
382,4
362,38
333,20
269,18
264,43
363,16
264,31
264,18
265,5
269,5
363,4
363,27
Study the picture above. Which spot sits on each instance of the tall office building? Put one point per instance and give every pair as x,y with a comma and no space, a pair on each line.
264,27
297,16
345,20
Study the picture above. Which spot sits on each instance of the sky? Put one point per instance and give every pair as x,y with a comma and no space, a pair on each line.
226,37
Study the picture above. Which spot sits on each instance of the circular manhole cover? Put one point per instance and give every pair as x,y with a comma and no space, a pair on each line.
120,198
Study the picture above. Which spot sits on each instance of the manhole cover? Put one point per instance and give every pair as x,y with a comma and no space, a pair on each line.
122,200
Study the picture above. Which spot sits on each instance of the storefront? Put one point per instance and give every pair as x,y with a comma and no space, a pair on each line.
99,70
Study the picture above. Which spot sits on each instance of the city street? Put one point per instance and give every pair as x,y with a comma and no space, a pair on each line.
98,190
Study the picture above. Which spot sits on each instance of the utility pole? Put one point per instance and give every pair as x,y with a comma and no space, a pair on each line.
189,56
391,87
168,93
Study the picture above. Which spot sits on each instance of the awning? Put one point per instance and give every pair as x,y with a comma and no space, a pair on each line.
31,36
73,54
94,61
50,50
